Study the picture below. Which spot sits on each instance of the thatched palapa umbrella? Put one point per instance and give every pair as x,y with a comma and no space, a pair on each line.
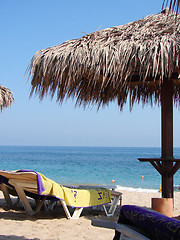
6,97
173,4
140,59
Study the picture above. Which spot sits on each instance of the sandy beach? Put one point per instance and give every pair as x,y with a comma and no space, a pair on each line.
15,224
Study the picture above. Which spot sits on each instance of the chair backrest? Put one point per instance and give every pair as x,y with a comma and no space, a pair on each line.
27,179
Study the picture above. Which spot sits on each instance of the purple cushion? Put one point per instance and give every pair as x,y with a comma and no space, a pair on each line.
156,225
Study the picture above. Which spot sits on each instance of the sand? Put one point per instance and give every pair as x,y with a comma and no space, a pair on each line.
15,224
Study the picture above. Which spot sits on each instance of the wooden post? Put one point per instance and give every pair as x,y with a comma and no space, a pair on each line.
167,136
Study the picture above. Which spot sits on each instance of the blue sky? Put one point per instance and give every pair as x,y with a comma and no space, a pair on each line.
28,26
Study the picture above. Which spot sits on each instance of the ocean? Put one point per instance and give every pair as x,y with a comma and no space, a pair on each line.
89,165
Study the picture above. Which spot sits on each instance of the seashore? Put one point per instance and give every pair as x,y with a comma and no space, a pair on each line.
17,225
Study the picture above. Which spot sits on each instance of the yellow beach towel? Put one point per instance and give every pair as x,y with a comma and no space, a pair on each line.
76,197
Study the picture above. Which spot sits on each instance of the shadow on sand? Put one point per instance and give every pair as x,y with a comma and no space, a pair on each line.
18,213
13,237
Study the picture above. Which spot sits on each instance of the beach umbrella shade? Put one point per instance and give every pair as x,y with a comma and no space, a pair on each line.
139,60
6,97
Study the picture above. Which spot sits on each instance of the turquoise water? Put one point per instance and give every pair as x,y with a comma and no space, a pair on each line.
88,165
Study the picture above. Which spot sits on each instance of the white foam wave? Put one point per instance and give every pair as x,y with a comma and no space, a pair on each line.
131,189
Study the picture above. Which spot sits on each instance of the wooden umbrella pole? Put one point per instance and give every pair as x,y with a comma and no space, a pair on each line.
167,137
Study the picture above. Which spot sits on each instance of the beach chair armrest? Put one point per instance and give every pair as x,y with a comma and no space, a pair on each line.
127,232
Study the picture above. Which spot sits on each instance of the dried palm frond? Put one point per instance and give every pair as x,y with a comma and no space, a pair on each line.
172,4
108,65
6,98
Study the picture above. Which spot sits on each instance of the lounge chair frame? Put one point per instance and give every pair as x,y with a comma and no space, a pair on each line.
127,232
21,186
141,223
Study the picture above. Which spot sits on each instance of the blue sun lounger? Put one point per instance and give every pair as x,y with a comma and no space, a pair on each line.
140,223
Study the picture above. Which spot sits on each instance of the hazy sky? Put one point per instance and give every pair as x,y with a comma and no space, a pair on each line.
28,26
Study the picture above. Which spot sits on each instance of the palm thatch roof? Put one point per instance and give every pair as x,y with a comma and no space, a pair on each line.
173,4
6,98
108,65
